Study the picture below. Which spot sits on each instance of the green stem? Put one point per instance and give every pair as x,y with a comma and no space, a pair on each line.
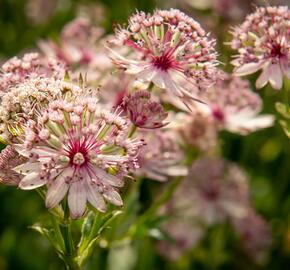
132,131
69,256
286,98
167,194
150,87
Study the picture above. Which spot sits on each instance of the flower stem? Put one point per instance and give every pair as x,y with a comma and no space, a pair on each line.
69,256
132,131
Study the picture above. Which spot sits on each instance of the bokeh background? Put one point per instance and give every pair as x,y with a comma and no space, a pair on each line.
265,155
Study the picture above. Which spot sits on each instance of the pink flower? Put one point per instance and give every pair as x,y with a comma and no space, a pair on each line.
142,111
9,158
26,99
216,193
77,148
255,235
161,158
235,107
78,44
184,236
230,105
262,42
169,49
31,65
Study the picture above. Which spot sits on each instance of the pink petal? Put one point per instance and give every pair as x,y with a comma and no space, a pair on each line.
31,181
285,66
95,198
263,78
247,69
27,168
77,199
275,76
108,179
113,197
57,190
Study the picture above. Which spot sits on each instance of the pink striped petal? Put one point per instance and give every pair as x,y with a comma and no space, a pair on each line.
95,198
58,189
77,199
113,197
31,181
275,76
247,69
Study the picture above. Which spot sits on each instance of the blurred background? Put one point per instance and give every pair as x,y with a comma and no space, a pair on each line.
265,155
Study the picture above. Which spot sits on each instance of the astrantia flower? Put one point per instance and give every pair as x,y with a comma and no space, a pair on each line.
170,49
235,107
161,158
143,112
9,158
77,149
31,65
184,236
219,192
212,195
262,42
255,235
24,100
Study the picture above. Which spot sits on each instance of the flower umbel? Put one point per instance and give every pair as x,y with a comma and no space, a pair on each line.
262,42
76,148
143,112
169,48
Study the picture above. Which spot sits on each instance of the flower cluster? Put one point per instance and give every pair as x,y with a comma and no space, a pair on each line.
206,197
77,148
31,65
142,111
161,159
262,42
169,49
25,100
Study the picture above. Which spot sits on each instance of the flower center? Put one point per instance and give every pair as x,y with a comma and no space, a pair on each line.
276,51
79,159
162,62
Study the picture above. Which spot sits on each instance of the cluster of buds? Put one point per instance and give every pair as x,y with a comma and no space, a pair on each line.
142,111
26,100
31,65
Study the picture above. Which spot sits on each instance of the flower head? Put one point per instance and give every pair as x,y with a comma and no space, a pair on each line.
31,65
9,158
215,194
169,48
161,158
262,42
235,107
255,235
77,148
24,100
142,111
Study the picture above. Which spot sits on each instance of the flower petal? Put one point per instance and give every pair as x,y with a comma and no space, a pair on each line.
27,168
108,179
58,189
31,181
247,69
275,76
77,199
263,78
95,198
113,197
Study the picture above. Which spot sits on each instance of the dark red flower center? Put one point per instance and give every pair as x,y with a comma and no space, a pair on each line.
163,62
276,51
